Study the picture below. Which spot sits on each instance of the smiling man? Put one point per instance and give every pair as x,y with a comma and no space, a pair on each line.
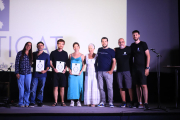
59,78
140,71
39,77
106,63
122,55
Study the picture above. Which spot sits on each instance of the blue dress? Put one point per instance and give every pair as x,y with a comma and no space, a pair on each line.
75,82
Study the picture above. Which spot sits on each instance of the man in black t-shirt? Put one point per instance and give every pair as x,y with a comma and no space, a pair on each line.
140,71
122,55
58,59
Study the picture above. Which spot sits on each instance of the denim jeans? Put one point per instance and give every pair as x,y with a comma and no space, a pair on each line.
24,83
37,84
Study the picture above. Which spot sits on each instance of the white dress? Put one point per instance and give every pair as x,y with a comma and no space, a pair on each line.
91,88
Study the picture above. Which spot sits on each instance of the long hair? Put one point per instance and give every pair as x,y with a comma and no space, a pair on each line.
29,54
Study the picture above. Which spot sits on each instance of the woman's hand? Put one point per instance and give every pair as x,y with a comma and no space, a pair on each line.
18,76
80,72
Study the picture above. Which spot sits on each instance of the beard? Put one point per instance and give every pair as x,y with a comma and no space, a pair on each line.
122,47
105,46
136,39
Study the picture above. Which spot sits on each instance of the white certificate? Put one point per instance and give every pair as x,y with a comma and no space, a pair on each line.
60,66
39,65
75,68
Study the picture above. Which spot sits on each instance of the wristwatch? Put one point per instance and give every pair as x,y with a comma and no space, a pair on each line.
147,67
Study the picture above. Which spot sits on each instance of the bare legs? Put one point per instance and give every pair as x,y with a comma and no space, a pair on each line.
139,89
56,94
123,95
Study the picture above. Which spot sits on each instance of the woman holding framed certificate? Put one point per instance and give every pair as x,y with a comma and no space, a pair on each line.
91,89
75,79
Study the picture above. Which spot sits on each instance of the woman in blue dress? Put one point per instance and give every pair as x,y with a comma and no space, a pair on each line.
75,82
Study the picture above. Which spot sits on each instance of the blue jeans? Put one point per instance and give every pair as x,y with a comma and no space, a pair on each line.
39,83
24,83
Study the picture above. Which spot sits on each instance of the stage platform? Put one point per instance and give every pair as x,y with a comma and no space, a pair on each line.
48,112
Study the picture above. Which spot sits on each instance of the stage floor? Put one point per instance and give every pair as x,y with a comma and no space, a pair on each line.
48,109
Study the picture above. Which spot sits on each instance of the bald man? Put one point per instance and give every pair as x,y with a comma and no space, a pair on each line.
122,55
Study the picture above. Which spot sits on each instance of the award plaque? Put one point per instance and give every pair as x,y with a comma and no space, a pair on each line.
39,65
60,66
75,68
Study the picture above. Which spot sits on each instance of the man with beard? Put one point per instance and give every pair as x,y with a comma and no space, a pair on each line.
59,78
141,56
124,80
105,65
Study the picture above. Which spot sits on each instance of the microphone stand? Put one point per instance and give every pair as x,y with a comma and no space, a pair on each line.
158,77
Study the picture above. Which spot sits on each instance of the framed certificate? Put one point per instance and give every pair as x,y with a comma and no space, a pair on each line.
39,65
75,68
60,66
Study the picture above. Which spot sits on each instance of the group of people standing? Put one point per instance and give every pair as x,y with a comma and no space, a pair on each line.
132,68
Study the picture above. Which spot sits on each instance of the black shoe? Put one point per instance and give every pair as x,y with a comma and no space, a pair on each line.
146,107
123,105
40,104
31,105
131,105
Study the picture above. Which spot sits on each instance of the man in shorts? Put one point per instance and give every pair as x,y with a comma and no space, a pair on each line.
122,55
140,71
59,78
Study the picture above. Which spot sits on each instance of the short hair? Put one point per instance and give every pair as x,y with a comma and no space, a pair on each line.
40,42
135,31
76,43
60,40
92,45
104,38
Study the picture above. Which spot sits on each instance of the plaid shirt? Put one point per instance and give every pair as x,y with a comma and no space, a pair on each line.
22,66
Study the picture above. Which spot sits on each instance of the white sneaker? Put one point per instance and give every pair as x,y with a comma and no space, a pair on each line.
111,105
72,103
101,104
78,104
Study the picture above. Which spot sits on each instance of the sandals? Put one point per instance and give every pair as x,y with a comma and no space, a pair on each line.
54,104
63,104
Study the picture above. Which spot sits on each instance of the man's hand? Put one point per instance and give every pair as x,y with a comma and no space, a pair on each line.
18,76
70,72
110,72
146,72
44,71
64,71
55,70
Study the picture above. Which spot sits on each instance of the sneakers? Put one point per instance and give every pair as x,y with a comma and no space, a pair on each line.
40,104
78,104
146,107
31,105
131,105
140,106
111,105
101,104
72,103
123,105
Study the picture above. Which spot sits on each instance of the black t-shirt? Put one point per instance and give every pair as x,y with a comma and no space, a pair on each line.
58,56
138,52
123,58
